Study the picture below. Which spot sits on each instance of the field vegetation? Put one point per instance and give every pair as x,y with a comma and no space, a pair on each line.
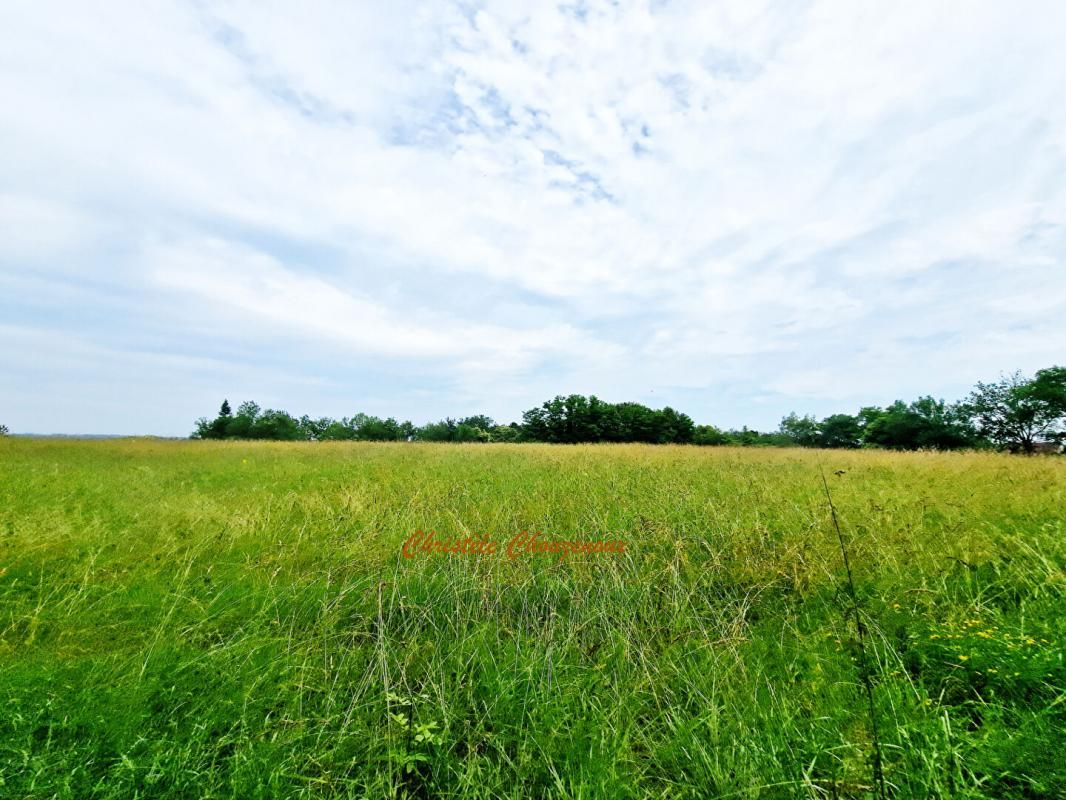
212,619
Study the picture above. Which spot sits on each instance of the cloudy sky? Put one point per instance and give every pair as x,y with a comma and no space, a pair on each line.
427,209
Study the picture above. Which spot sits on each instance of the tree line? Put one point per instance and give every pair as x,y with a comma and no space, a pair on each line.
1016,413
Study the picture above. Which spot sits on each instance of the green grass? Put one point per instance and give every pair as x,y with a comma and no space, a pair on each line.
236,620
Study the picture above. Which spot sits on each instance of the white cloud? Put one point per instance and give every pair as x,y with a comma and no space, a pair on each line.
681,196
247,285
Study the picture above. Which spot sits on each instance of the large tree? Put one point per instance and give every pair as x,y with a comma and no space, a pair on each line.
1049,387
1017,412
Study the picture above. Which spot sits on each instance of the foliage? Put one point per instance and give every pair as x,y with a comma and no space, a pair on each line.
1016,412
924,424
800,430
709,435
576,418
506,433
450,430
839,430
250,422
746,437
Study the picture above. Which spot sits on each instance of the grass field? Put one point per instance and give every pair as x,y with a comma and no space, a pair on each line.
237,620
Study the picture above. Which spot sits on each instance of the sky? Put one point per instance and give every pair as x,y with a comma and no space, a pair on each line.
739,209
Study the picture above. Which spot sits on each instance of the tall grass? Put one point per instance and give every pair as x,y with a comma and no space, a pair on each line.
237,620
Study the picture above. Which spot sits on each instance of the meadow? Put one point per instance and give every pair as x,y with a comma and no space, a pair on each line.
238,620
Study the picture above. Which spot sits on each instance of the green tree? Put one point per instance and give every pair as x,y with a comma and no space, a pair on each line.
894,427
275,425
471,433
242,425
926,423
374,429
839,431
800,430
635,423
1049,388
576,418
481,421
546,423
746,437
213,428
337,431
221,422
1016,413
313,429
943,426
505,433
673,427
216,428
709,435
443,431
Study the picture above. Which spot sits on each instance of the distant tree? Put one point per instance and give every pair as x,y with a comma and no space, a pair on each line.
1016,412
216,428
476,428
747,437
551,422
894,427
451,430
391,430
470,433
479,421
443,431
336,431
222,421
673,427
312,429
926,423
505,433
250,422
1049,388
242,424
374,429
839,431
866,416
944,426
576,418
800,430
635,422
709,435
539,423
276,425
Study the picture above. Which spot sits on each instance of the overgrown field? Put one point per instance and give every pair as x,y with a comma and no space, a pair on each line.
236,620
